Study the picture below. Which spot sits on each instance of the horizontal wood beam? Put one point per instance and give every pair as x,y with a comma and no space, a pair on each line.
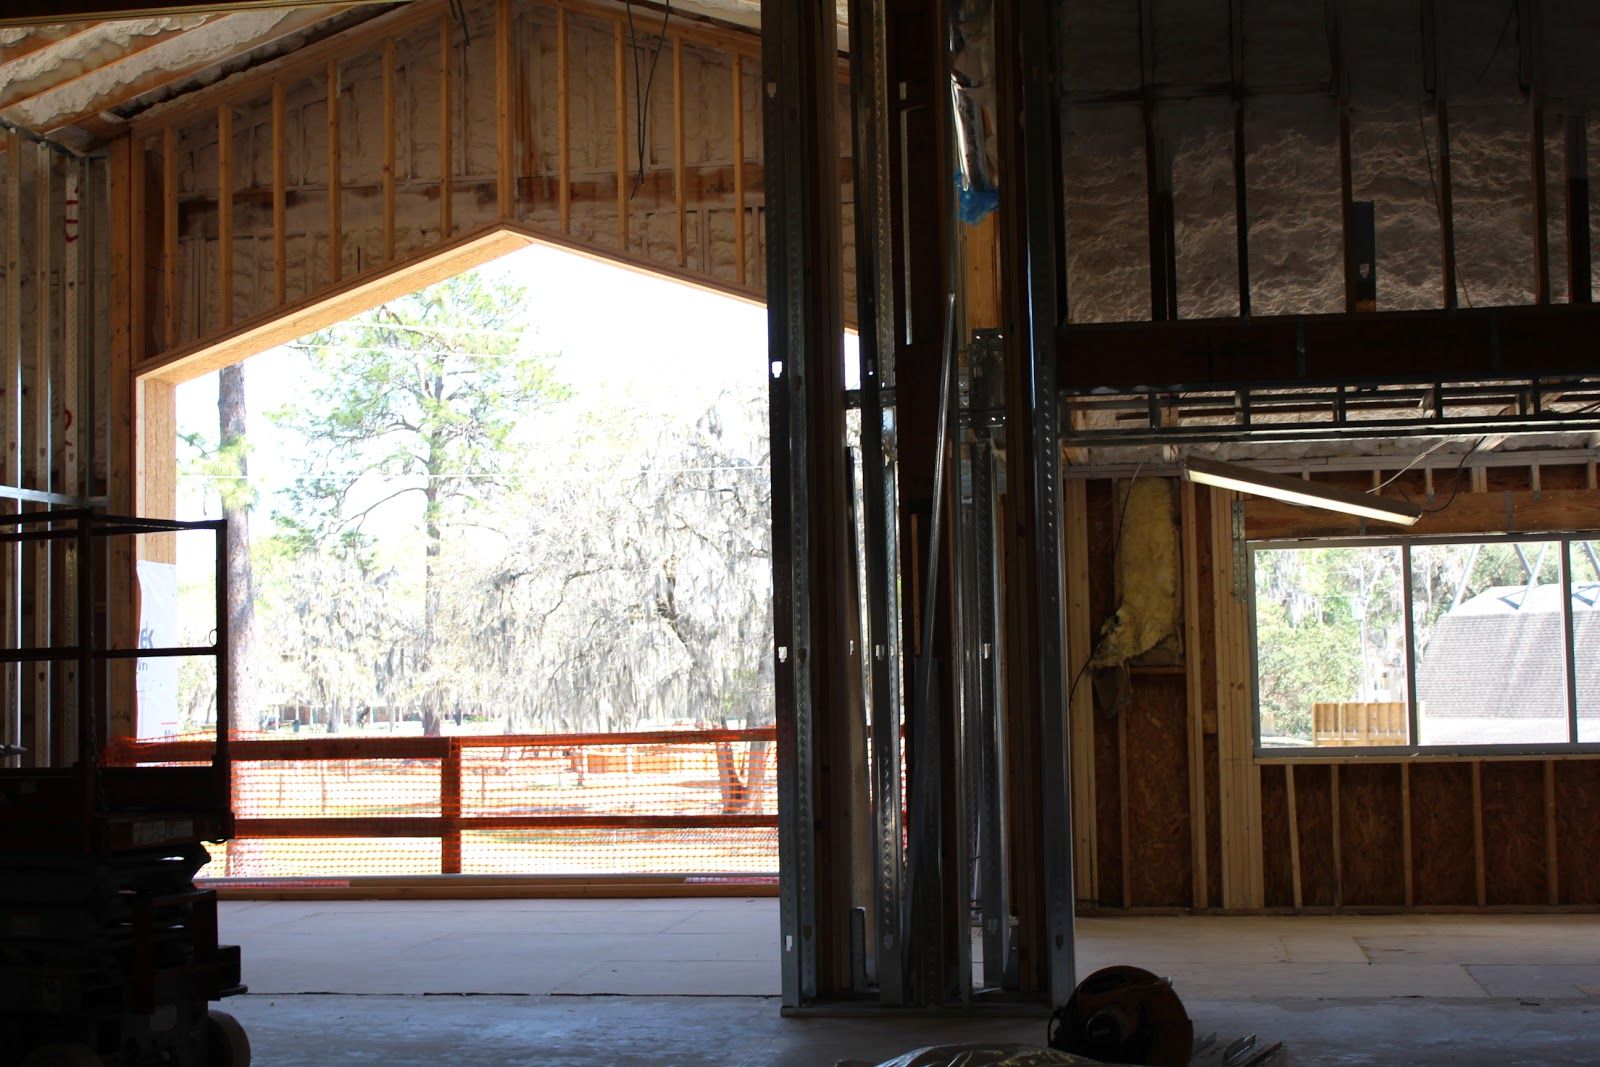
124,752
384,826
1551,511
1399,346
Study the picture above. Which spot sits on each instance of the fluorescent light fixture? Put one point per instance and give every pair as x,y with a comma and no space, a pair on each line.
1299,491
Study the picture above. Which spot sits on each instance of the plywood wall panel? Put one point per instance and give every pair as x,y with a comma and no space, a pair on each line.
1515,864
1314,811
1161,862
1578,830
1441,833
1277,868
1371,849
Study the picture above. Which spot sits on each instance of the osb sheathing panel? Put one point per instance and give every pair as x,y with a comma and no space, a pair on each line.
1371,845
1441,834
1314,814
1276,868
1578,830
1515,866
1160,871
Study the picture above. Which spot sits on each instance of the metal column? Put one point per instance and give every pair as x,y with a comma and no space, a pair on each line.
1033,283
817,674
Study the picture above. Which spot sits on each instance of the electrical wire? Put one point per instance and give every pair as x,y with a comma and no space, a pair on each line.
644,82
1455,489
1420,457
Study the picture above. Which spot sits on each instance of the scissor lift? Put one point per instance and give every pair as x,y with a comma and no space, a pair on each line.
108,952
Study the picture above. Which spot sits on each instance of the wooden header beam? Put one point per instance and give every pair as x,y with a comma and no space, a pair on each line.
1392,346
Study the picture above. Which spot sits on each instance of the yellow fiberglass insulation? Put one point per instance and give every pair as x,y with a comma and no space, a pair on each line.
1147,571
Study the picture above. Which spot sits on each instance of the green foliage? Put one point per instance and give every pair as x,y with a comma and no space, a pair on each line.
1329,627
422,395
221,466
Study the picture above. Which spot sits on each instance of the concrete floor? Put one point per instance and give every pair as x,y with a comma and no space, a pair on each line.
693,982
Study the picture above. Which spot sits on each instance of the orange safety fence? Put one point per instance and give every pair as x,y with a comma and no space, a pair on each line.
669,802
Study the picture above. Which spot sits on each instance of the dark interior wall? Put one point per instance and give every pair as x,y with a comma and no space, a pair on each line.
1334,832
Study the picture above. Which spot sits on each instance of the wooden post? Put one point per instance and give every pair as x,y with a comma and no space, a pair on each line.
224,216
280,235
136,253
450,809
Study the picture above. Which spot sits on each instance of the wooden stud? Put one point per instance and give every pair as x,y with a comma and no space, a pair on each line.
169,236
679,191
1124,853
446,124
738,167
1551,853
622,137
11,425
280,234
37,424
503,82
388,149
1477,833
1408,866
1294,835
1193,635
1239,777
335,179
138,271
563,121
1080,701
126,166
1334,833
224,217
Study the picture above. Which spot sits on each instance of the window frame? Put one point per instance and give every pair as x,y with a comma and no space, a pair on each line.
1572,746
